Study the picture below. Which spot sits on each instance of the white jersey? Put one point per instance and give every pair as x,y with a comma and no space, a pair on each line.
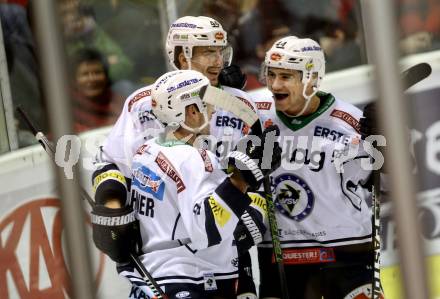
183,216
136,124
316,203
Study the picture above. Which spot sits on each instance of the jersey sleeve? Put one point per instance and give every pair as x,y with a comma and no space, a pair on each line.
211,205
354,171
135,124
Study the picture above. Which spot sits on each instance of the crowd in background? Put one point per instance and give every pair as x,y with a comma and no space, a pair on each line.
115,46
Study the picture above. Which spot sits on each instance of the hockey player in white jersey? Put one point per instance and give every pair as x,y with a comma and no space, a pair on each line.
187,206
197,43
319,192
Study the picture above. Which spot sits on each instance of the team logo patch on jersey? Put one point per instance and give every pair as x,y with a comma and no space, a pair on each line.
166,166
345,116
148,181
137,97
294,198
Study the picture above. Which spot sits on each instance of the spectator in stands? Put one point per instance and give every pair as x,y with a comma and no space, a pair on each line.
420,25
81,30
341,45
95,104
23,70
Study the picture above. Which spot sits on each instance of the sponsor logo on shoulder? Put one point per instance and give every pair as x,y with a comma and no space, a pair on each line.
347,117
263,105
137,97
166,166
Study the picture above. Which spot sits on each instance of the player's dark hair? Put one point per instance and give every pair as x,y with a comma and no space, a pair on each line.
177,51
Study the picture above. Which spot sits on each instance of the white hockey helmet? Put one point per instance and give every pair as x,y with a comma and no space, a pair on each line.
173,92
301,54
188,32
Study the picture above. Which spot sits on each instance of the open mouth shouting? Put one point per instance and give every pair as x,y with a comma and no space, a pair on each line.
280,96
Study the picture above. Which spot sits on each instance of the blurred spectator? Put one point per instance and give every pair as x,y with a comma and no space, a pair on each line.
254,77
81,30
337,31
143,43
250,25
341,39
95,104
420,25
22,64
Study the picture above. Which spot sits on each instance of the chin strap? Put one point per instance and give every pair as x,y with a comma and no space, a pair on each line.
198,129
308,98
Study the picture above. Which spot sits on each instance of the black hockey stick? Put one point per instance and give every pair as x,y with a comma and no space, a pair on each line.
224,100
257,129
45,143
409,77
415,74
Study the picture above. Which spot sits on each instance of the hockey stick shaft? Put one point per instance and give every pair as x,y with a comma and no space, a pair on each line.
257,129
48,148
376,286
245,112
278,253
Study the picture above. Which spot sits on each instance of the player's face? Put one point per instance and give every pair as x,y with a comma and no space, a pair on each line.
208,61
196,119
287,89
211,110
91,79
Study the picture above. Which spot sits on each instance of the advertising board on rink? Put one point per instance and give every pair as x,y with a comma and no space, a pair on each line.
33,261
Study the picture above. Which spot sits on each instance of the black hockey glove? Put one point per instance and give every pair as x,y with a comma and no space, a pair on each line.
256,162
249,231
232,76
115,232
368,123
